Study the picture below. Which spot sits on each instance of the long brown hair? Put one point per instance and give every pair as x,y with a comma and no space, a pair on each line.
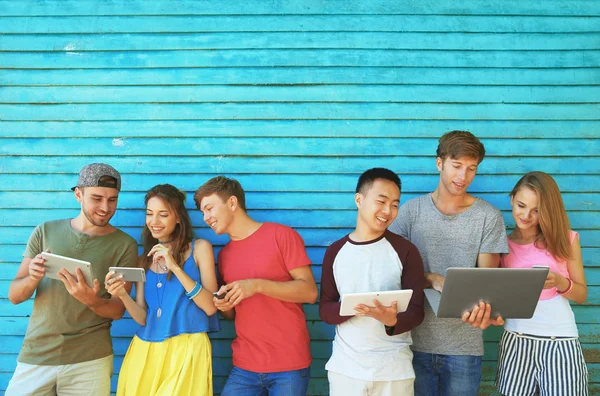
182,234
554,224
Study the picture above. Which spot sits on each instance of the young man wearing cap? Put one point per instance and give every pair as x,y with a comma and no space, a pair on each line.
451,228
371,351
67,349
266,276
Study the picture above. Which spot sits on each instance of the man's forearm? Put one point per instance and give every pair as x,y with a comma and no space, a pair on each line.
295,291
22,289
112,308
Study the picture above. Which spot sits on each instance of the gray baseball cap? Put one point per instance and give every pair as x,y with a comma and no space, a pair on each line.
99,175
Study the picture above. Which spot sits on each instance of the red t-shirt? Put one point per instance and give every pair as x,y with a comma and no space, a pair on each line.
271,334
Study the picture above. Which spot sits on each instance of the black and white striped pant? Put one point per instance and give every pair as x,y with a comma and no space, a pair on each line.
546,366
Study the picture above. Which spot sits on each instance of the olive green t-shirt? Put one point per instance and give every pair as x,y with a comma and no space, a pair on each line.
62,330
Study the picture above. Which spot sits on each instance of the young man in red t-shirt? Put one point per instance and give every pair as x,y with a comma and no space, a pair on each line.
266,276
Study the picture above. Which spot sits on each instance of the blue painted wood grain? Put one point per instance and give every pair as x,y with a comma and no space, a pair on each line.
512,128
306,111
288,75
82,42
281,7
43,24
321,94
299,57
295,99
15,165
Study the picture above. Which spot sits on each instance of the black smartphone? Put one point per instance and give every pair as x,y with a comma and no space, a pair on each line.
219,296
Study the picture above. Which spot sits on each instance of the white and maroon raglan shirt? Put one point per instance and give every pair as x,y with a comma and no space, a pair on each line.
363,348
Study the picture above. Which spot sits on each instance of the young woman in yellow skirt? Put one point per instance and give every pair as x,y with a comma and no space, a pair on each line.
170,355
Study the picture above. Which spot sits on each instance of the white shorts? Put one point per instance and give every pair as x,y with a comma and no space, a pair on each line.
340,385
545,366
80,379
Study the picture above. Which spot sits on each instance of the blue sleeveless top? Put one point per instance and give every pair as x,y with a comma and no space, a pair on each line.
179,314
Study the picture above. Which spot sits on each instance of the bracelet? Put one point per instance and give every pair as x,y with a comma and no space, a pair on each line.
568,288
194,292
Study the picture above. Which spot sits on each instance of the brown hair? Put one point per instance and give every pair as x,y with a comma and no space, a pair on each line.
554,224
457,144
182,234
224,188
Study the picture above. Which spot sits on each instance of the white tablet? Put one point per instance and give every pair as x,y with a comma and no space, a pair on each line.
55,262
351,300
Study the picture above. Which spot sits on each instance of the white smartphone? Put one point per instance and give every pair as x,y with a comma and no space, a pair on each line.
130,274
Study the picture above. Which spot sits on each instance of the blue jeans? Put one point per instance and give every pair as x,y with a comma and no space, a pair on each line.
247,383
446,375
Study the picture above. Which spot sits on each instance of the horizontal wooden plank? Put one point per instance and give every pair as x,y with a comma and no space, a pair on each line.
258,146
332,94
306,111
298,128
297,23
60,185
320,218
257,7
21,167
16,168
299,57
267,200
303,75
166,41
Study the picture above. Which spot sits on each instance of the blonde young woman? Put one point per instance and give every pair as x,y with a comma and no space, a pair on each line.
542,355
171,353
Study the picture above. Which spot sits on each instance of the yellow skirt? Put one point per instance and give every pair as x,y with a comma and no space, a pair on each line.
178,366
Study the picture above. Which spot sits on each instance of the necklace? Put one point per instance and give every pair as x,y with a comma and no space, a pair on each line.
159,296
159,284
165,242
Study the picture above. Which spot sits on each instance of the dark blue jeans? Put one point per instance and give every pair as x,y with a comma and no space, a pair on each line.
446,375
247,383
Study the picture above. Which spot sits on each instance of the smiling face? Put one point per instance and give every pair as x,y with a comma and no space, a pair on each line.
525,209
98,204
218,214
161,220
456,174
378,206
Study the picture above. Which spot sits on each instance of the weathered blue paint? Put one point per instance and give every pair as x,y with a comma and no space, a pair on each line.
295,99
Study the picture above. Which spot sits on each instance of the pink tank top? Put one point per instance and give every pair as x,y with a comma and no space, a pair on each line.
526,256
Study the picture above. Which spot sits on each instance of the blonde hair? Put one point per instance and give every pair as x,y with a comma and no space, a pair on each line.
554,223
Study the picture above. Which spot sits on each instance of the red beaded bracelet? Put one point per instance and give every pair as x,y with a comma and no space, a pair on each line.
568,288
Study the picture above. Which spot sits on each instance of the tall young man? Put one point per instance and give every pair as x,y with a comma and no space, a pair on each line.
451,228
371,351
67,349
266,276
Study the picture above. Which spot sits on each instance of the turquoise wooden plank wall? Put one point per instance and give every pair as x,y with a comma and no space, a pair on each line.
296,99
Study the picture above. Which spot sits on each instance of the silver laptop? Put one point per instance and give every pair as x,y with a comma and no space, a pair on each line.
512,292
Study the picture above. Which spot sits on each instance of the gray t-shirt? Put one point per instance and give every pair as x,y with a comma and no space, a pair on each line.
444,242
